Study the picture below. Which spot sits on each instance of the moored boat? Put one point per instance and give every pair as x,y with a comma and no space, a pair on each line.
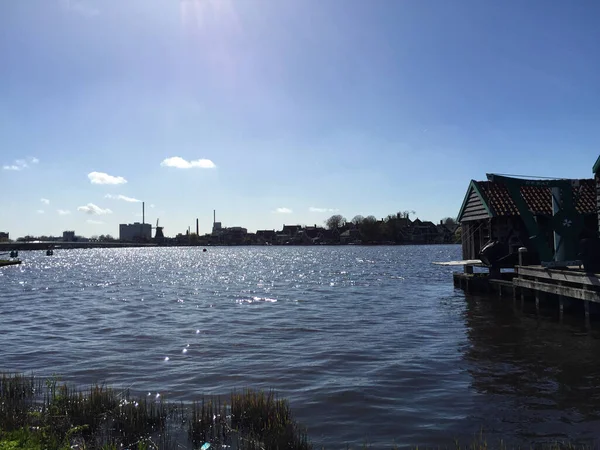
9,262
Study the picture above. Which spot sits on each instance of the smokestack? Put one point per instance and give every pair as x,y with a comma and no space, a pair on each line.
143,213
214,216
197,228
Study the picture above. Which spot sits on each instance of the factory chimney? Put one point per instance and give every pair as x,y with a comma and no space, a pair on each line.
197,228
214,216
143,213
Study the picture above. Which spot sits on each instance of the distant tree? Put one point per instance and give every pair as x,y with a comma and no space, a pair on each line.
449,221
458,235
357,220
335,222
369,229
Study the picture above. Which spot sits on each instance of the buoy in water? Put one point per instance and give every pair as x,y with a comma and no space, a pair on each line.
204,250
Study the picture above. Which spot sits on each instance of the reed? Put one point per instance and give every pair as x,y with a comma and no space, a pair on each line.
17,393
50,415
266,421
58,415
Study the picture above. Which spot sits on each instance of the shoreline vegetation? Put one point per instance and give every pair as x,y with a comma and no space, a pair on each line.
41,414
44,414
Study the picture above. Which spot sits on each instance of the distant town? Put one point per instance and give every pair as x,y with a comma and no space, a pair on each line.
395,229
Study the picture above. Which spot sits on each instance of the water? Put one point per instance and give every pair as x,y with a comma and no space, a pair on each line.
370,344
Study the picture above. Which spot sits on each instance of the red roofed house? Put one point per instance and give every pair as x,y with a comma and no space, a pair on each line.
489,212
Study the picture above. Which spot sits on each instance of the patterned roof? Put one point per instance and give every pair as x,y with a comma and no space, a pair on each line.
538,199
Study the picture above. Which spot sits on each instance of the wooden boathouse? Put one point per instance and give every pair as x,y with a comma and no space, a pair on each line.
491,210
549,230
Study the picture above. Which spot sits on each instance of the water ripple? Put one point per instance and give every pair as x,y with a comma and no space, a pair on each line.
370,344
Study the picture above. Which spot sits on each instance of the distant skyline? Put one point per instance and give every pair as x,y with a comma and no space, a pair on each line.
276,112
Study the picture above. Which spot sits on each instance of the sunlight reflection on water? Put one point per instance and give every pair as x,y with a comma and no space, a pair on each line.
370,344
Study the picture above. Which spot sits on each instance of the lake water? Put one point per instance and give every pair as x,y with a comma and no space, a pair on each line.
370,344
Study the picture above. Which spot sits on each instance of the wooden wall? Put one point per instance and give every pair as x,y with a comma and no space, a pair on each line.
598,199
475,234
474,209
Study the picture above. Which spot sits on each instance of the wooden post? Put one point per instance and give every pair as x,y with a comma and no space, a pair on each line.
586,305
522,251
522,297
561,304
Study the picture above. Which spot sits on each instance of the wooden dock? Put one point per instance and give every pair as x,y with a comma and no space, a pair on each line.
565,286
9,262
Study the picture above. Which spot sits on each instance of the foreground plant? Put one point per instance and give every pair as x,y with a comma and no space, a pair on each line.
54,416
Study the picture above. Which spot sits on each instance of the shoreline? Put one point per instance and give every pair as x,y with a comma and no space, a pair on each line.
27,246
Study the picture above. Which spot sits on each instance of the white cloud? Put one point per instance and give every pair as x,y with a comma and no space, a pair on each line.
20,164
45,201
123,197
80,7
40,211
104,178
63,212
283,211
90,208
180,163
95,222
322,210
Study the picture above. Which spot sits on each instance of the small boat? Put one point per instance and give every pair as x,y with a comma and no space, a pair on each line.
49,252
9,262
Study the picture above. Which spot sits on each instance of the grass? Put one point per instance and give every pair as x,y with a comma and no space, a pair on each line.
46,414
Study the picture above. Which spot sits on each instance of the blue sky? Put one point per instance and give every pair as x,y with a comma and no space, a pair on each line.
278,112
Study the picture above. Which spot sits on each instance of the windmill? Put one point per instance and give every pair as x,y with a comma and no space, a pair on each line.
159,236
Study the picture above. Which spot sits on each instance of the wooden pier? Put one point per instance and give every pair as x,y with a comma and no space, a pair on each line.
567,286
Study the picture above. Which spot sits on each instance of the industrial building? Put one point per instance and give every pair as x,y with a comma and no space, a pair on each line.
69,236
4,236
135,232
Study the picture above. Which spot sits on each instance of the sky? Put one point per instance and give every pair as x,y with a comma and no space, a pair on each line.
284,112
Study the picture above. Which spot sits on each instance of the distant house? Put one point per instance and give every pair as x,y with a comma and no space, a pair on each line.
490,211
291,230
234,235
445,233
314,232
266,235
422,232
4,237
349,236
